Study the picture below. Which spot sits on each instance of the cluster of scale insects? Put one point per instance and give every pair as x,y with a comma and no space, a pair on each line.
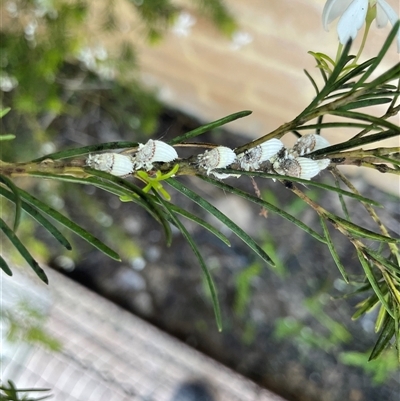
271,156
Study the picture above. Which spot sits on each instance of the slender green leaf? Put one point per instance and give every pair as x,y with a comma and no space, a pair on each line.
209,127
4,266
342,201
352,143
150,205
127,189
381,82
382,260
267,205
366,306
305,182
396,163
360,231
200,222
380,319
333,251
220,216
12,393
374,283
360,69
23,251
397,331
39,218
339,124
7,137
322,64
384,338
64,154
91,239
365,103
379,122
4,111
101,184
313,83
189,239
380,56
17,200
330,83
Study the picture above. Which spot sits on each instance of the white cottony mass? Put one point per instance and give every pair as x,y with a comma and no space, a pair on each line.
352,15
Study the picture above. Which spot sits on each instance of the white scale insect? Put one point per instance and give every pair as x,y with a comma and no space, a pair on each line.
151,152
301,167
309,143
219,157
253,158
121,165
293,164
113,163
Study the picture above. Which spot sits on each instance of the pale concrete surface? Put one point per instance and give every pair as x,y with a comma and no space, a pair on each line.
108,354
206,75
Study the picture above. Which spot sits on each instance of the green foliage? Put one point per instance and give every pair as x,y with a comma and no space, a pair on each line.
344,90
302,334
35,60
380,369
9,392
25,324
327,337
46,56
243,282
50,166
219,13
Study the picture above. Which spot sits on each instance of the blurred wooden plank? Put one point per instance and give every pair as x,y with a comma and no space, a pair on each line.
109,354
201,73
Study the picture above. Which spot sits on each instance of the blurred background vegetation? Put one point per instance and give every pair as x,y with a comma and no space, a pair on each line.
59,84
51,66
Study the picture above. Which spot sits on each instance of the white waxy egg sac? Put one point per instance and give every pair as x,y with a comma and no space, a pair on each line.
219,157
252,158
309,143
153,151
113,163
300,167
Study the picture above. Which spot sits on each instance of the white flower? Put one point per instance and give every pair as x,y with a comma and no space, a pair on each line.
240,39
183,24
353,14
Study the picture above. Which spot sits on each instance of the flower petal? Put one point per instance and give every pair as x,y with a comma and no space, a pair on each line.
385,12
352,20
381,17
332,10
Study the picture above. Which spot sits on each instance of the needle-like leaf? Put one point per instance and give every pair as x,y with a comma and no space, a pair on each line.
65,154
91,239
305,182
17,200
4,266
200,222
374,283
360,231
39,218
335,255
209,127
268,206
224,219
23,251
207,274
387,333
